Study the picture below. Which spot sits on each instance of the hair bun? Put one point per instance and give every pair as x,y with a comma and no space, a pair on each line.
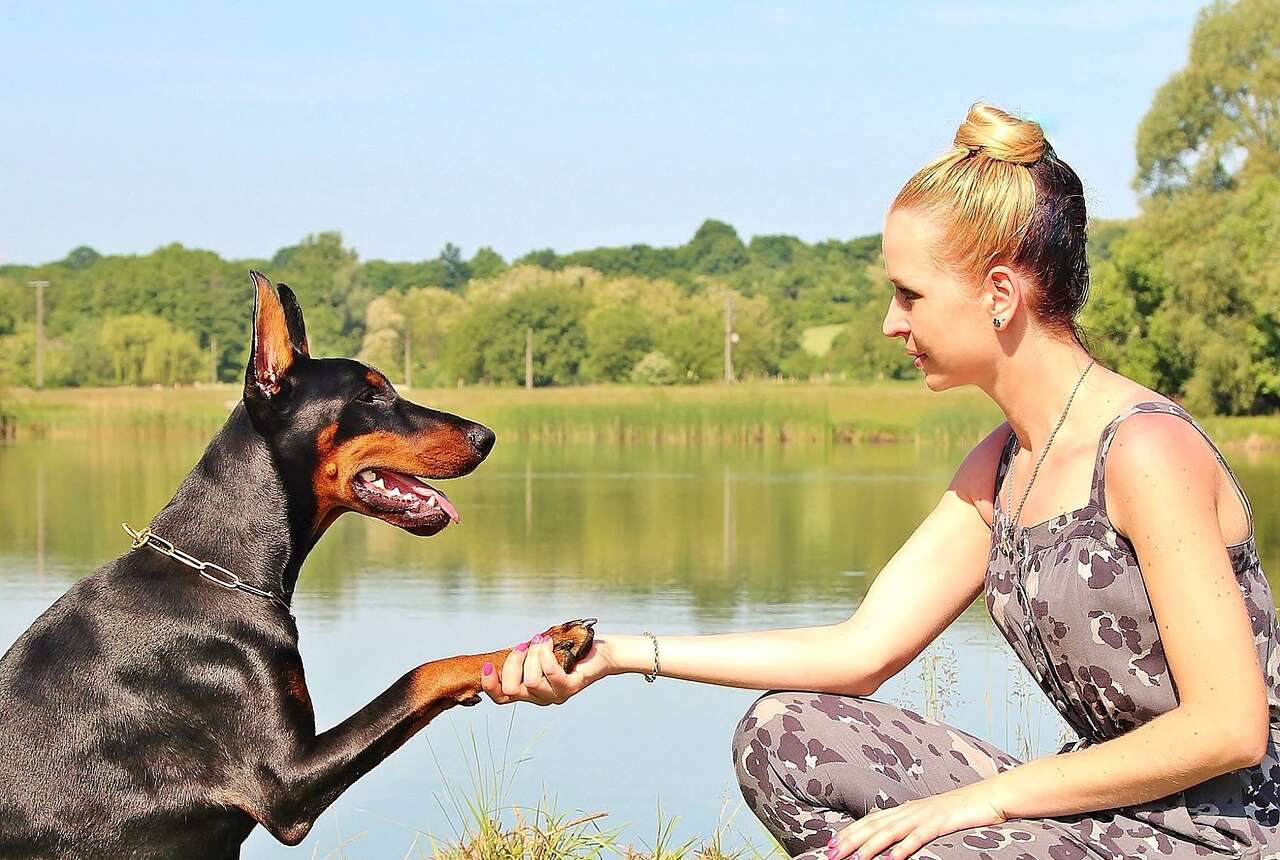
1002,136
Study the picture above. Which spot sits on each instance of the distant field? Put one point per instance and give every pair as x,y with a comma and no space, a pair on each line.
817,339
755,412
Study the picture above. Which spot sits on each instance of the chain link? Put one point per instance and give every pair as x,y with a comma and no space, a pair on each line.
219,576
1008,484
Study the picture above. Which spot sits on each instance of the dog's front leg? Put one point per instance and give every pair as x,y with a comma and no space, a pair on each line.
293,792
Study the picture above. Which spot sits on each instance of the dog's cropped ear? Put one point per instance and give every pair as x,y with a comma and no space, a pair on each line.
293,317
272,352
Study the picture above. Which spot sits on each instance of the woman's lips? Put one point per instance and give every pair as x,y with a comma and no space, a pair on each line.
919,358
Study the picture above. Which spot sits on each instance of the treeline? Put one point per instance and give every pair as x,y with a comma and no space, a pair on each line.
608,315
1186,297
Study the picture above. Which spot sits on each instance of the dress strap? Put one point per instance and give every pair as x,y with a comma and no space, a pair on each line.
1097,490
1002,467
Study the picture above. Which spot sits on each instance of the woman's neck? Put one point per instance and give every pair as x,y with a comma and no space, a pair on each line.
1031,386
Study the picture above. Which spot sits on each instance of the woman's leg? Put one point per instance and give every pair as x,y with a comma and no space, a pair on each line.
811,763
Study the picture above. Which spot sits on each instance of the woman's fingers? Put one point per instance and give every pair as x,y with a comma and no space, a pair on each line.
491,685
513,672
531,673
562,686
534,678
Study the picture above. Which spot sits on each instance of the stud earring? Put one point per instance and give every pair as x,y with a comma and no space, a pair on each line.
995,321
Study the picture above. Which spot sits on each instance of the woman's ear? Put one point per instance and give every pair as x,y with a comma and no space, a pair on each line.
1002,295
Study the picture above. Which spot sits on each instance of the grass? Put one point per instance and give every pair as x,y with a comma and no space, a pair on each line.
752,412
817,340
485,825
760,412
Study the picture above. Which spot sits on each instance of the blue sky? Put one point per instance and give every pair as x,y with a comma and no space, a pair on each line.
524,125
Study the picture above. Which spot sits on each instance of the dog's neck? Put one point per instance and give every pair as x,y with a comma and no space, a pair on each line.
234,509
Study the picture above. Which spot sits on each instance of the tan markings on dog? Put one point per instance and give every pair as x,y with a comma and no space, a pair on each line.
296,686
443,452
376,379
439,685
275,350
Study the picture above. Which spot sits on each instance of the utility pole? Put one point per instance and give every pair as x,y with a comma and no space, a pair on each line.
213,360
728,337
39,285
408,373
528,359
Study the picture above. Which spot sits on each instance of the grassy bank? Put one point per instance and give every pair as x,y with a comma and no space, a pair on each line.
748,412
757,412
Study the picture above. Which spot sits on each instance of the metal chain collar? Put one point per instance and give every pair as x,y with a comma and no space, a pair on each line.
215,573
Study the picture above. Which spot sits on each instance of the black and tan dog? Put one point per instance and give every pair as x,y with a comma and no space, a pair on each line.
150,713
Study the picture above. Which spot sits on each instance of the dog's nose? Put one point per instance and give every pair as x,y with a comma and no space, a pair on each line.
482,439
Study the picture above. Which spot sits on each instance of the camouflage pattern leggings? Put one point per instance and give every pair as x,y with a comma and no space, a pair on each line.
811,763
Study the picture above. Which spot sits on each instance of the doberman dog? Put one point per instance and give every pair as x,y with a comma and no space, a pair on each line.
150,713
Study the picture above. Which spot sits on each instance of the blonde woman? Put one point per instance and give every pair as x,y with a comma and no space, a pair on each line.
1109,538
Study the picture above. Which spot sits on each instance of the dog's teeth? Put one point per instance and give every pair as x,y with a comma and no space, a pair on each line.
369,475
431,502
393,492
378,483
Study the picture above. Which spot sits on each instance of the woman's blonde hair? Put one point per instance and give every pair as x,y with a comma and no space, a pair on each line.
1003,197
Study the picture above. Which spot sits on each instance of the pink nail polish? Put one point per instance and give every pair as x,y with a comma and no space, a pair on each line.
831,841
487,668
523,646
537,639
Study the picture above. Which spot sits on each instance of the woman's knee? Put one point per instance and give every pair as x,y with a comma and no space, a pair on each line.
755,727
804,741
795,732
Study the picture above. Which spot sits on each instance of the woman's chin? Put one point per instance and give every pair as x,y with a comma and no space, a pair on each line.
937,382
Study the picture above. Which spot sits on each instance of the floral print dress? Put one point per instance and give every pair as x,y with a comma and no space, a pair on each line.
1075,610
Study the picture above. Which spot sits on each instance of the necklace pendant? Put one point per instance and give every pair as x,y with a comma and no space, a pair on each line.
1005,536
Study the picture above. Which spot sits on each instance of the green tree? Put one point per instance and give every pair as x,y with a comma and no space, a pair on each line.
488,341
455,272
330,284
143,349
617,338
715,249
1221,112
486,263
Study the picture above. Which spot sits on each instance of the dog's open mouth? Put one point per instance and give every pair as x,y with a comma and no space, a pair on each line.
404,500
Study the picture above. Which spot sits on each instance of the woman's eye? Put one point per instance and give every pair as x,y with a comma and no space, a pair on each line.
907,295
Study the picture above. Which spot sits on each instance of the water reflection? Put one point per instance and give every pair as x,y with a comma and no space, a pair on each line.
679,539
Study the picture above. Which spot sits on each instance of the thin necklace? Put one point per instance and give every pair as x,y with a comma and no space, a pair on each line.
1008,489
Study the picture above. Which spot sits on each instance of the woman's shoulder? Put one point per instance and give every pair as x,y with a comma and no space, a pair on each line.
1152,439
975,479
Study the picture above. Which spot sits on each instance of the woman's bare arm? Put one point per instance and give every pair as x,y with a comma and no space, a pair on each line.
927,583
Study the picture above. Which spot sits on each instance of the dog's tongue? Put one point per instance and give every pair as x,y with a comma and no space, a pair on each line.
447,506
408,484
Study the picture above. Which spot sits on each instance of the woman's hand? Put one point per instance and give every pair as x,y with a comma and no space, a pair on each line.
531,673
902,830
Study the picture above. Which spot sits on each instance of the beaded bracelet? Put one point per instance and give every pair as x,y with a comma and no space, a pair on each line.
657,667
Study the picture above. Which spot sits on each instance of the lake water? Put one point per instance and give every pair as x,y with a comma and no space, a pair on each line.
677,539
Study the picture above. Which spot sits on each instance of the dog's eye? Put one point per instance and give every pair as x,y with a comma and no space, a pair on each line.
369,395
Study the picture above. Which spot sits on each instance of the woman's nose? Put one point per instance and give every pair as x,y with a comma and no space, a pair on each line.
895,324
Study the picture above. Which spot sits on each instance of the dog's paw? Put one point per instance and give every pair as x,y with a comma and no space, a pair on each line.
571,641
